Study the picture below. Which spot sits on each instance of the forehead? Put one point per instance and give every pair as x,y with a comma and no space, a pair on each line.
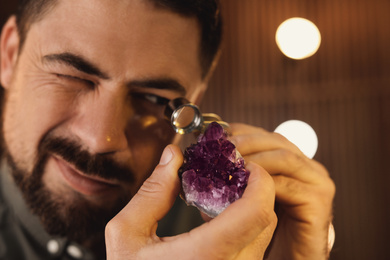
131,37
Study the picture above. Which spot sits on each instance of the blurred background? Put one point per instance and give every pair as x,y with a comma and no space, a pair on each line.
342,91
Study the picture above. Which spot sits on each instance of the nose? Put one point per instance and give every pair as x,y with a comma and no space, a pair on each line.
101,121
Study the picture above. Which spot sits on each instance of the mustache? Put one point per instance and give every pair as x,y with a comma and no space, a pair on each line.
99,165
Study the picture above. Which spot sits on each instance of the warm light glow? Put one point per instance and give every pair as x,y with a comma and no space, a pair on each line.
147,121
301,134
298,38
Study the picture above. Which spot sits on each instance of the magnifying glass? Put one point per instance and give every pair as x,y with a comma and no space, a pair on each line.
186,117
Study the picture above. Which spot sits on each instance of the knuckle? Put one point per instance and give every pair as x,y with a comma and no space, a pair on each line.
108,229
265,216
112,229
328,190
151,187
294,187
332,187
320,168
279,137
292,160
314,219
119,229
274,220
326,182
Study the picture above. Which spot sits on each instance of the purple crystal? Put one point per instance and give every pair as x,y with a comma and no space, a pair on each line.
213,174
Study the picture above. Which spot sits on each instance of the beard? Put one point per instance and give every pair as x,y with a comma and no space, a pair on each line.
77,219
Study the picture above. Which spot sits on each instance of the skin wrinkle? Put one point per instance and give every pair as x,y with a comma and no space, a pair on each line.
42,104
77,62
79,118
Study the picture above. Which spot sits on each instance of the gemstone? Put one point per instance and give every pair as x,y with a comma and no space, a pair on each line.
213,174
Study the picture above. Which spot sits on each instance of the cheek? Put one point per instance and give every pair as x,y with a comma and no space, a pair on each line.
29,113
147,142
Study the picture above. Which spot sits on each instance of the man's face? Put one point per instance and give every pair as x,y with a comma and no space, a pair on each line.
83,116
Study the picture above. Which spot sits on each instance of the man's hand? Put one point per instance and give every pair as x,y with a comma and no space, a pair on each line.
242,231
304,193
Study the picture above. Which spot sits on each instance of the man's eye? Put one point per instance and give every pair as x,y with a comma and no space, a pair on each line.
77,79
154,99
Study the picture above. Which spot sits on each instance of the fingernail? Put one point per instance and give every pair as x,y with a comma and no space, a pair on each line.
166,156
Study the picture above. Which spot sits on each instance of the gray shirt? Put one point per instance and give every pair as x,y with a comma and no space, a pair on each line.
23,237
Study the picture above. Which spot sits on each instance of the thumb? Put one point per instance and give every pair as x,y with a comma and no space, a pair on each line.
155,197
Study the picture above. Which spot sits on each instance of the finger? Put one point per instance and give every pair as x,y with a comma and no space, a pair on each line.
291,191
243,129
227,234
241,222
155,197
259,246
248,140
285,162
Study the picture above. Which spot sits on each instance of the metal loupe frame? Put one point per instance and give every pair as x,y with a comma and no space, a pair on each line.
199,122
196,123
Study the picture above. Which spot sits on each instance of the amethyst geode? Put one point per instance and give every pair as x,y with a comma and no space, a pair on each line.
213,174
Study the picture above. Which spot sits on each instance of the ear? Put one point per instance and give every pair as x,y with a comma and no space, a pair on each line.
9,47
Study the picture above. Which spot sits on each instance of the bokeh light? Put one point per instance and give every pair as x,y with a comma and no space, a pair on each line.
298,38
301,134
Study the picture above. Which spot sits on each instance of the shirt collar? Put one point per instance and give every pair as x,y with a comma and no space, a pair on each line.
31,223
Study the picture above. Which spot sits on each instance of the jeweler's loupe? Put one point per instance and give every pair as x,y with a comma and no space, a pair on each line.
186,117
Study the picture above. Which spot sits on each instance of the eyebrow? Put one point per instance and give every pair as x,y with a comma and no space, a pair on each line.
83,65
76,62
160,83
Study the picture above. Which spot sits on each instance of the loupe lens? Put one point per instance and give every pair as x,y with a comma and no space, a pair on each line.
185,117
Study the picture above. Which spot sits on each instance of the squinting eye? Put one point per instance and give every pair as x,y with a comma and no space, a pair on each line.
151,98
85,81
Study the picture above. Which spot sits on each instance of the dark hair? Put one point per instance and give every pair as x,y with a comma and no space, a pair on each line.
30,11
207,13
